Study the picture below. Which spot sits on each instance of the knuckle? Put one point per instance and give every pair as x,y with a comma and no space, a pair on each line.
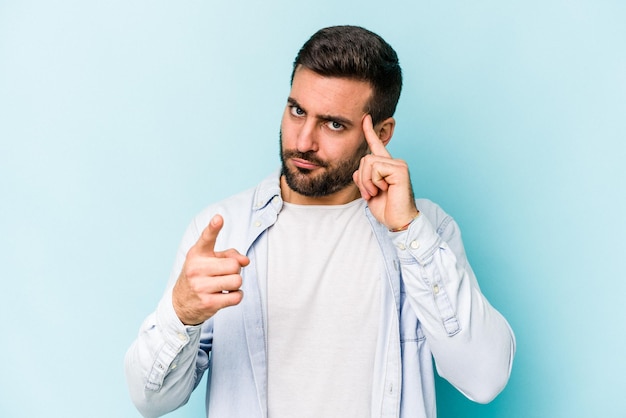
207,302
195,287
192,270
230,264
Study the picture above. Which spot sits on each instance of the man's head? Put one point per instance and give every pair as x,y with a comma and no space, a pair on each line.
340,75
355,53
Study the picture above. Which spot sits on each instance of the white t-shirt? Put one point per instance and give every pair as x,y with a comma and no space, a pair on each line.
323,304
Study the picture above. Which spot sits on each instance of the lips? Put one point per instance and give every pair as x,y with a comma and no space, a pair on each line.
304,164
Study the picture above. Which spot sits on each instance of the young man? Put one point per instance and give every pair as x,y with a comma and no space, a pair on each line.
327,289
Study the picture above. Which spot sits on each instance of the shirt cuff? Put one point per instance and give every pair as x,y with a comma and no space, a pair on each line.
175,333
175,336
418,242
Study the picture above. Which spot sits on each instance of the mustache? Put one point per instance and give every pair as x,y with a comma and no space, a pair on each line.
307,156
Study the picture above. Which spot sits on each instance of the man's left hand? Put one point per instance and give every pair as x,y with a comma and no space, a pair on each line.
384,182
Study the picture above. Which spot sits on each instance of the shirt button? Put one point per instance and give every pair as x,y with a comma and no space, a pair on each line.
257,223
436,289
182,336
415,245
401,246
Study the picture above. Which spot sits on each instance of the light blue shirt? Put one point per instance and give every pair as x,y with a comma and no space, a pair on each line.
431,307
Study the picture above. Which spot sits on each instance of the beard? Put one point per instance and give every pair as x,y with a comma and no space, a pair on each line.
334,176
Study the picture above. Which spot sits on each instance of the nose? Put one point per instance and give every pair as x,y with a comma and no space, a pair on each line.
307,137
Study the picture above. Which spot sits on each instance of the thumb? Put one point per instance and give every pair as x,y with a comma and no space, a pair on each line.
206,243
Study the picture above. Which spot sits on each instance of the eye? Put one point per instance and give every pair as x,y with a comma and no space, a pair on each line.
335,126
296,111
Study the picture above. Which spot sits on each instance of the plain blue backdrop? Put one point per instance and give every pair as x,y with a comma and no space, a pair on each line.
120,120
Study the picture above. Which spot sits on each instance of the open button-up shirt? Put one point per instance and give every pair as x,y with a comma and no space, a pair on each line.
431,307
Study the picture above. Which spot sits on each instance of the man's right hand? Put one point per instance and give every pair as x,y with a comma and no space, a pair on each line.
210,280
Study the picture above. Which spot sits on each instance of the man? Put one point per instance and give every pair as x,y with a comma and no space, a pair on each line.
327,290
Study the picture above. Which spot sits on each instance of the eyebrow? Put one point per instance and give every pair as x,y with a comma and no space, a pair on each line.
327,118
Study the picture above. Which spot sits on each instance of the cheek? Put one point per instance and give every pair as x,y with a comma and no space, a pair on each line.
359,148
287,133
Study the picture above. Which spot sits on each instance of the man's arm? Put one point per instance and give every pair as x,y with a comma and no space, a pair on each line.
168,358
472,343
166,361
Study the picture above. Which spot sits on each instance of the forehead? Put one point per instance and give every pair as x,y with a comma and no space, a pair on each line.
330,95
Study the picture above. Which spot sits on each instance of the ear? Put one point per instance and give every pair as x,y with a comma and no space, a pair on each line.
384,130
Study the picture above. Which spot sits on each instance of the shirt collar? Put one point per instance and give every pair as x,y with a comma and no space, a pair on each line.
268,191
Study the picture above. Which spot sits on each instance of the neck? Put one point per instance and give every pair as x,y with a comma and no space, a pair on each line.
341,197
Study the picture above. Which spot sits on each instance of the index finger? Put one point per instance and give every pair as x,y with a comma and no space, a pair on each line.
376,145
206,242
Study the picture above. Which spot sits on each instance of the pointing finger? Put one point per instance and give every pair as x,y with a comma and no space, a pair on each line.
376,145
206,242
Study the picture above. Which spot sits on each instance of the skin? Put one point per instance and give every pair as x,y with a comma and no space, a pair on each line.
326,118
323,117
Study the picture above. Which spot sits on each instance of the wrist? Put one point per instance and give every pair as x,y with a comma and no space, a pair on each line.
406,226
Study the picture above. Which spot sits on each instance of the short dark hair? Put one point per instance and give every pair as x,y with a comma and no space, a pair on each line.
356,53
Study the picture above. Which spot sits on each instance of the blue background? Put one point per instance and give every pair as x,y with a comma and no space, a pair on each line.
120,120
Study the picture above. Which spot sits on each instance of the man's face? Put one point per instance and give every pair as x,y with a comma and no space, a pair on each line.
322,138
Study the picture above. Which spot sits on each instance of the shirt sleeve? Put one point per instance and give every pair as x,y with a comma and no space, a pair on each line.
167,360
165,363
472,343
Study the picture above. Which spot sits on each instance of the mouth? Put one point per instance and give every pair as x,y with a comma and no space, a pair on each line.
304,164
